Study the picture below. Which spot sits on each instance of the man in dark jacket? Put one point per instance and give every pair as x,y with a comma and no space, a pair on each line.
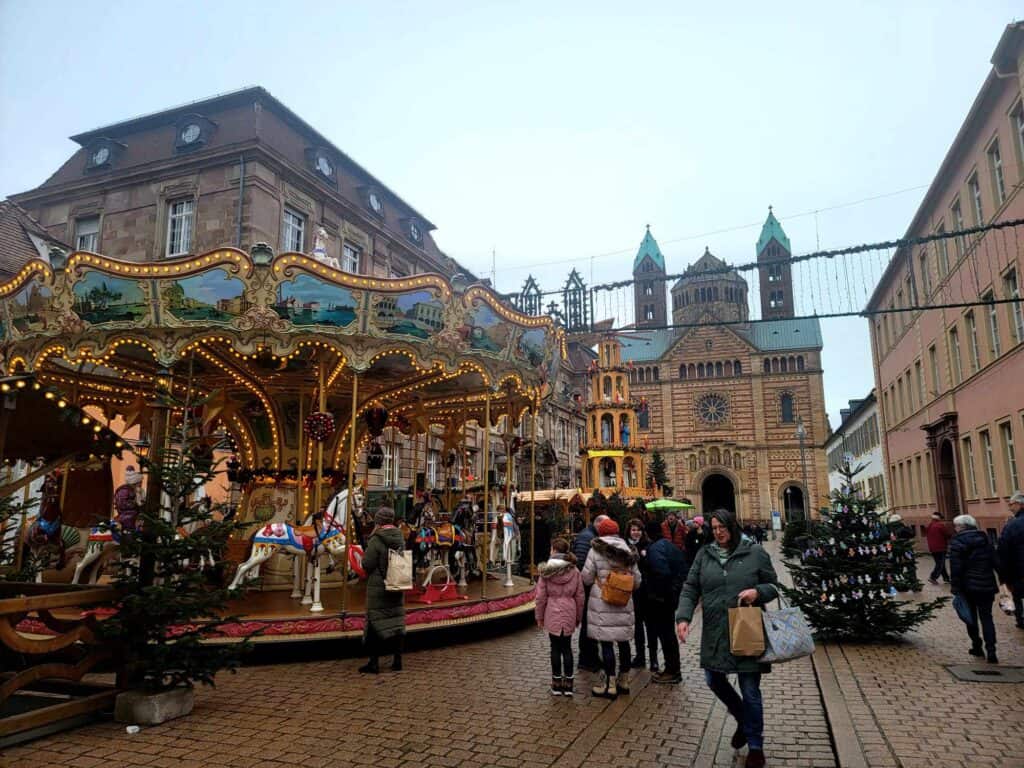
666,572
937,535
1011,555
973,565
581,548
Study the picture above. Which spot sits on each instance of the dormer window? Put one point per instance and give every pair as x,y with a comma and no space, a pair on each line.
102,154
414,230
320,161
192,132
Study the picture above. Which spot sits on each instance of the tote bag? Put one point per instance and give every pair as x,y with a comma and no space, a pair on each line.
787,634
399,575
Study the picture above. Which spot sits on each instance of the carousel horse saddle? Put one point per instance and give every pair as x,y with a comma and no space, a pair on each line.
300,537
447,534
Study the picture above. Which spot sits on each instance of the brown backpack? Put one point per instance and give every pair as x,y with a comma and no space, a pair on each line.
617,588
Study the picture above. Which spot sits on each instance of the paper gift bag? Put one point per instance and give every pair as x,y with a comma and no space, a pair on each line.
746,631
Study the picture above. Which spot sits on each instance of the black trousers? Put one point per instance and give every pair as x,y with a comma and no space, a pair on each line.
940,567
643,632
1017,592
608,657
588,646
981,611
662,622
561,655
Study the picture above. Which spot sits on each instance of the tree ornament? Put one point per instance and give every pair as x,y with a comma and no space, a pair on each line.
318,426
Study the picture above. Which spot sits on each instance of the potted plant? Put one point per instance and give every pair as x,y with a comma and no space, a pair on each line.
169,599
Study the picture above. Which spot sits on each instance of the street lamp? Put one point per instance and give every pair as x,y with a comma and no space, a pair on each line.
801,433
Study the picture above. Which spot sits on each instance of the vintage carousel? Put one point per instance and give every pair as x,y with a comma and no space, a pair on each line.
300,368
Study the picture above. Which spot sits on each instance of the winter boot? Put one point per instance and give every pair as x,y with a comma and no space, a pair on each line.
976,649
622,684
567,683
755,759
372,667
991,657
606,689
396,664
556,685
739,738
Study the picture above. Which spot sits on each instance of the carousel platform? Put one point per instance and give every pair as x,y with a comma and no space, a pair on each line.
274,617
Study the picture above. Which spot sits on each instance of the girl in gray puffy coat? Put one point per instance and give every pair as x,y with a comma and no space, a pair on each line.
610,624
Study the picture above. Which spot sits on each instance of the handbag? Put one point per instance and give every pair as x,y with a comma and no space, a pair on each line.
788,636
963,610
1005,600
399,574
746,632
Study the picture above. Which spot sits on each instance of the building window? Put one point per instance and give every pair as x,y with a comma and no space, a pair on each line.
350,259
975,188
433,462
995,166
958,224
179,227
293,231
1009,459
926,278
774,273
786,406
776,299
648,289
643,419
933,363
993,325
943,249
972,340
392,463
990,465
1018,129
87,234
649,312
954,356
968,459
919,377
901,403
1011,288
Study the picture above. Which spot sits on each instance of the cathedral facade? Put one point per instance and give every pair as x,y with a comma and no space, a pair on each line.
736,406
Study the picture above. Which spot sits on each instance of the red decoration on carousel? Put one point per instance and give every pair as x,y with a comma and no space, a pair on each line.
376,418
319,427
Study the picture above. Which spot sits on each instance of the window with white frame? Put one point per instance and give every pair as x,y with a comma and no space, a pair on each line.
1011,289
1009,459
972,340
993,325
926,278
179,226
968,459
293,231
433,465
943,250
990,464
958,224
975,189
350,258
995,166
1018,129
87,234
392,463
954,356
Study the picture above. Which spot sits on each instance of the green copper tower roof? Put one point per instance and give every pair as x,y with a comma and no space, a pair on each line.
649,247
771,229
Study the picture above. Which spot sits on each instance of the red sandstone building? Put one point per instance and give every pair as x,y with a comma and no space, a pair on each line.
951,381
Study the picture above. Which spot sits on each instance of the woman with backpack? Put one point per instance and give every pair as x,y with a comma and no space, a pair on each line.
385,610
611,568
560,611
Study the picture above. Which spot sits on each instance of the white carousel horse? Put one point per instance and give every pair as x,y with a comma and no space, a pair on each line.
506,537
326,535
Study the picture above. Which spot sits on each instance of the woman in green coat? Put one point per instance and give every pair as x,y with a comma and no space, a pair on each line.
730,569
385,611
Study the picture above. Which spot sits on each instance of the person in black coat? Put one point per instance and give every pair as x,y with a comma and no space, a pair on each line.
972,562
666,572
1011,555
588,659
638,542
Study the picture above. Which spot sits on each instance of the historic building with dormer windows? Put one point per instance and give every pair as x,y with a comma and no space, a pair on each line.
730,396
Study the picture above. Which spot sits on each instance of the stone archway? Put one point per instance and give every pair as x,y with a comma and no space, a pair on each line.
717,491
793,501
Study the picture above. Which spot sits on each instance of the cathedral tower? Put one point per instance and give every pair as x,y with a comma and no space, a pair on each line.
649,302
775,273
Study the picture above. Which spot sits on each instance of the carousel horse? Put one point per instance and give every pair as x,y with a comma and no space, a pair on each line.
105,538
466,559
325,536
46,535
507,539
437,540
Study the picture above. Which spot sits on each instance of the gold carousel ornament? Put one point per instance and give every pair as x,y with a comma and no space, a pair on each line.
298,360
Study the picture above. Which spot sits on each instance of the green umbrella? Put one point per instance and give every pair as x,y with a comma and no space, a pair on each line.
667,504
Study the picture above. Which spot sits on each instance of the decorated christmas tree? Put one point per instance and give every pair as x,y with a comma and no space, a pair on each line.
850,568
657,473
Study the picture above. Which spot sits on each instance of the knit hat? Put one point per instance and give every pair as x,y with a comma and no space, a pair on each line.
607,527
384,516
699,520
132,476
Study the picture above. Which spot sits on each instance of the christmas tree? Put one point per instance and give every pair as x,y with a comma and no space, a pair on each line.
658,473
850,568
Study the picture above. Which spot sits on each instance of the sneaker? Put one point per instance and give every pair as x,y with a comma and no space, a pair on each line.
739,738
755,759
667,678
933,581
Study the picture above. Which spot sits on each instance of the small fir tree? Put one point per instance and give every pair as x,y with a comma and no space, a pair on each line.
169,601
658,473
849,569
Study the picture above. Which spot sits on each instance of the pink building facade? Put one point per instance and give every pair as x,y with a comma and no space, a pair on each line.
950,379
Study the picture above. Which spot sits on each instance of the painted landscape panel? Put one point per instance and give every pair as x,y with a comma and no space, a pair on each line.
30,308
102,298
213,296
532,346
307,300
419,314
487,331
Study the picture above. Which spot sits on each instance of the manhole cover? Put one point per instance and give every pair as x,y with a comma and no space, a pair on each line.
987,674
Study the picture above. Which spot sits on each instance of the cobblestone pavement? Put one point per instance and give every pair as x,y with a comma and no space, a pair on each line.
485,703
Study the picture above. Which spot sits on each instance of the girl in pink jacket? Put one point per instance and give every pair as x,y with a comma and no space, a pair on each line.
560,611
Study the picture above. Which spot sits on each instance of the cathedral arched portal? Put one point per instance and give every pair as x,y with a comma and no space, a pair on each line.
717,491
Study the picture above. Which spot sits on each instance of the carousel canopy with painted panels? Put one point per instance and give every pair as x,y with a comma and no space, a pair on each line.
258,334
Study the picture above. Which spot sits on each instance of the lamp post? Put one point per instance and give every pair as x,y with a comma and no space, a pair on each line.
801,433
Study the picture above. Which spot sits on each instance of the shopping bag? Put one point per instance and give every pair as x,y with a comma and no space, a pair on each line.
787,634
746,631
963,610
399,573
1005,600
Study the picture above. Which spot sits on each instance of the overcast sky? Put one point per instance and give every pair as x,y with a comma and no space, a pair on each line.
551,132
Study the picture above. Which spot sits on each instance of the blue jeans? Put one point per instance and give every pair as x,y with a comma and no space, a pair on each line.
748,710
